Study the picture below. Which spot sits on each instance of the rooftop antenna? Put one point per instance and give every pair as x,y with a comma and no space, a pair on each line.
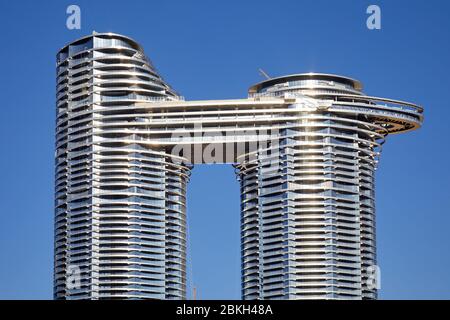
263,73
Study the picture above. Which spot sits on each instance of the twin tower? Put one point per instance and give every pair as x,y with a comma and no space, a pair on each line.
305,148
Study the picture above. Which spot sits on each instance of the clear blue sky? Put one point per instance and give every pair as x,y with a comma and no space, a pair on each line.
211,50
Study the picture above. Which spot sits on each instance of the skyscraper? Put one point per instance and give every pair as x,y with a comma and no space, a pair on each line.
120,206
305,148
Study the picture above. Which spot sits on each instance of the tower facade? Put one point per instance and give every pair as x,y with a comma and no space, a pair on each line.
119,205
305,148
308,231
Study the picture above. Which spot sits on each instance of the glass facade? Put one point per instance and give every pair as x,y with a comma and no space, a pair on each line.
307,189
116,221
